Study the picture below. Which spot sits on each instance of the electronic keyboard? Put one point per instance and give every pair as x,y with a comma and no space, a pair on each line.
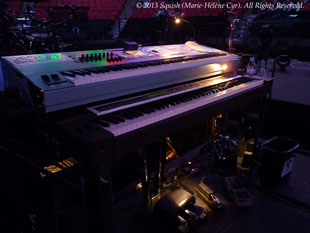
57,81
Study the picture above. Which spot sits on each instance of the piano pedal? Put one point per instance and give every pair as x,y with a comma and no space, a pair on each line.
171,152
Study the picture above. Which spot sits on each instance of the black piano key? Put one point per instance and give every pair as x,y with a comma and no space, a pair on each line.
95,71
165,104
113,68
151,109
85,72
159,106
111,120
144,110
130,66
118,118
82,72
131,114
135,113
173,102
156,106
126,67
69,74
77,72
103,70
126,116
103,123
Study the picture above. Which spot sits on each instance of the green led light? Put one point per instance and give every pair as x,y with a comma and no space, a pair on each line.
40,58
55,57
158,94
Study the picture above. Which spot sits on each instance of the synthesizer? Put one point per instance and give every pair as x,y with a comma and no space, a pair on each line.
56,81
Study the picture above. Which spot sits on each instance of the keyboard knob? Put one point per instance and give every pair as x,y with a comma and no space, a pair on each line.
55,77
91,57
99,56
45,78
87,57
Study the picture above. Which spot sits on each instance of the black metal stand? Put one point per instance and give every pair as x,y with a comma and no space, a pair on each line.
159,166
152,165
106,193
144,175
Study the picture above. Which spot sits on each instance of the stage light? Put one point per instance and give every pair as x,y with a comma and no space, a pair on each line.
224,67
177,20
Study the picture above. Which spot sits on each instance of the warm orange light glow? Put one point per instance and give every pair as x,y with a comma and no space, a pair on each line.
224,67
177,20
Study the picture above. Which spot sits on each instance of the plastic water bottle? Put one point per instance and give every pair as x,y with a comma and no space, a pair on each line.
251,67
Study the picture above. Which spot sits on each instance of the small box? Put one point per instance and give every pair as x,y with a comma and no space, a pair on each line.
130,45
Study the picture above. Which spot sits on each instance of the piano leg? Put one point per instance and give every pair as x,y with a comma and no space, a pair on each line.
99,198
106,192
152,164
159,164
144,175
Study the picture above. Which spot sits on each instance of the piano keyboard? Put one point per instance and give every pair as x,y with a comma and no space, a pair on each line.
116,72
132,118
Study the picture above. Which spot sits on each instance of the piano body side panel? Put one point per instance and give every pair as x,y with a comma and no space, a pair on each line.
91,145
14,81
130,142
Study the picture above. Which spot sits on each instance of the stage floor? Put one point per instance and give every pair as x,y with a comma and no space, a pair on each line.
271,212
